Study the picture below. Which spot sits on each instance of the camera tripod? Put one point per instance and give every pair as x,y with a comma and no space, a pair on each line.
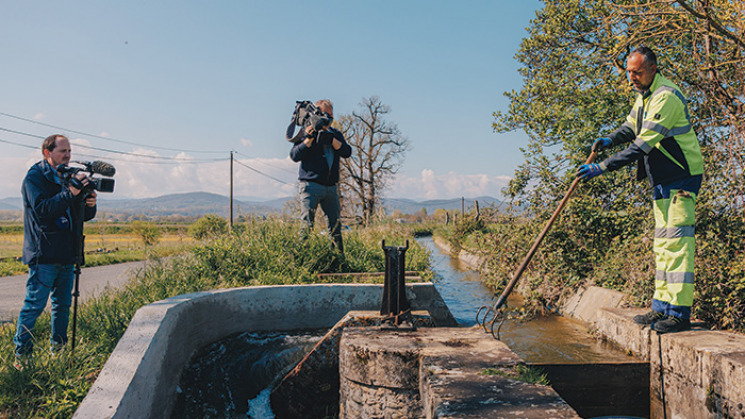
77,212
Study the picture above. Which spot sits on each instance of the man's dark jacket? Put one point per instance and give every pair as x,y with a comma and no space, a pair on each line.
47,220
313,164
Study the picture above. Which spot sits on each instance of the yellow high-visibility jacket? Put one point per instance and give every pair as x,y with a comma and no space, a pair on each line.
662,139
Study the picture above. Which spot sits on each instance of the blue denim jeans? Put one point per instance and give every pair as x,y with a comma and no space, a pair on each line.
313,194
44,280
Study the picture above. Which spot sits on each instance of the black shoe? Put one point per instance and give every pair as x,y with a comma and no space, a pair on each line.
649,318
672,324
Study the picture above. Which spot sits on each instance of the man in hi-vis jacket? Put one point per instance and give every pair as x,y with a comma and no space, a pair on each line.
666,149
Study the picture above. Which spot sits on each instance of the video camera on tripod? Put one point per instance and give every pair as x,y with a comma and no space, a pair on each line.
102,184
306,114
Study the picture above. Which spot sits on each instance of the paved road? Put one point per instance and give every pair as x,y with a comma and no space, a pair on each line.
92,281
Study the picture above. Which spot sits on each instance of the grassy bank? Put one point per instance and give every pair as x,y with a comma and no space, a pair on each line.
264,253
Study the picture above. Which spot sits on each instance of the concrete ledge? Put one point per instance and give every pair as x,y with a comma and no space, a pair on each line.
436,373
703,371
584,304
140,377
617,326
469,259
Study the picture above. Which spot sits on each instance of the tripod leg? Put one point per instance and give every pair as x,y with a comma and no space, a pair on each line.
75,295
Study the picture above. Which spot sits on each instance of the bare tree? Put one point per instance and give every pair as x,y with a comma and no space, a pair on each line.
378,149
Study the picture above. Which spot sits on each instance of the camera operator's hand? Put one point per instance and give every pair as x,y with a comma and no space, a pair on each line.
309,136
91,199
82,181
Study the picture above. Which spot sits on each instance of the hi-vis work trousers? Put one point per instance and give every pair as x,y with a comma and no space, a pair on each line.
675,246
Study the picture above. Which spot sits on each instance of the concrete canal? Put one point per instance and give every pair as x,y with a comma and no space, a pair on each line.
214,384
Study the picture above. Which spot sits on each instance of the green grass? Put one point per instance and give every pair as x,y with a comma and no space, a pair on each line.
265,253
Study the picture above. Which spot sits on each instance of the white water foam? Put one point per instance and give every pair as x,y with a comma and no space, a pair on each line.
259,408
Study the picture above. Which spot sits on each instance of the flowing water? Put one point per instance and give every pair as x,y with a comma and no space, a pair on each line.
552,339
214,384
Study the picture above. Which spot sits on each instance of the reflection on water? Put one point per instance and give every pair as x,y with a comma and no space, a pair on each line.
553,339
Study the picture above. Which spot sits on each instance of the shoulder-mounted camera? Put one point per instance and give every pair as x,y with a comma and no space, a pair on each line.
103,183
306,114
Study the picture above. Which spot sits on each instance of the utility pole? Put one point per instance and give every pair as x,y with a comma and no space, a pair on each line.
230,222
462,205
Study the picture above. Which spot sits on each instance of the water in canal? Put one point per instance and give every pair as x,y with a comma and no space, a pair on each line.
214,384
552,339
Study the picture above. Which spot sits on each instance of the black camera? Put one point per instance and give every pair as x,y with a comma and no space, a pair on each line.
306,114
97,183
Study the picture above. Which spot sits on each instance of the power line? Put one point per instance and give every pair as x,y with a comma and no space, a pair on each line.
20,145
93,156
173,162
264,163
98,148
262,173
107,138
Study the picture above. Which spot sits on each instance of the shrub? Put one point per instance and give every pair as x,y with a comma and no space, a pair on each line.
148,232
209,226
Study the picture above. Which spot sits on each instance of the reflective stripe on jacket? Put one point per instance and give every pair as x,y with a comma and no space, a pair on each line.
663,140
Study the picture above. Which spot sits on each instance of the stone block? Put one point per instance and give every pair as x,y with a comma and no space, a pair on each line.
473,395
441,371
617,326
359,401
703,373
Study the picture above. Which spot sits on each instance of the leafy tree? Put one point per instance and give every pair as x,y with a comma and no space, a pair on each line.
208,226
147,231
378,148
575,90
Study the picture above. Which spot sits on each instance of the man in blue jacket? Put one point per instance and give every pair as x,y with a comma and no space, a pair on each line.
319,154
49,243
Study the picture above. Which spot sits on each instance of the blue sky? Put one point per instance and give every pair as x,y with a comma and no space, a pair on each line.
177,85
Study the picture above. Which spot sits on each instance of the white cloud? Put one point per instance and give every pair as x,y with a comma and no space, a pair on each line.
82,142
38,116
430,185
246,142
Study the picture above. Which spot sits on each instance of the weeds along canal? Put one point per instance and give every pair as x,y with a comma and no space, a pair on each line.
232,378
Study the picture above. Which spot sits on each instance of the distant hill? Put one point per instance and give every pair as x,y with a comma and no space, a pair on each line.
11,204
192,204
410,206
197,204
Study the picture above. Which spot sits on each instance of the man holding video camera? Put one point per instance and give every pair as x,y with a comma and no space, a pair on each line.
49,243
319,153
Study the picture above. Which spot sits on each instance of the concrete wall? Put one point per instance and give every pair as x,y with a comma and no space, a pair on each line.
140,377
471,260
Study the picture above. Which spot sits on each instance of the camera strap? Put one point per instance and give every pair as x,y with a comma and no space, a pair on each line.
290,130
290,133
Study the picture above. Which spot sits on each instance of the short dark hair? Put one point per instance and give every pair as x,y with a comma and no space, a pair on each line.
649,56
51,142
